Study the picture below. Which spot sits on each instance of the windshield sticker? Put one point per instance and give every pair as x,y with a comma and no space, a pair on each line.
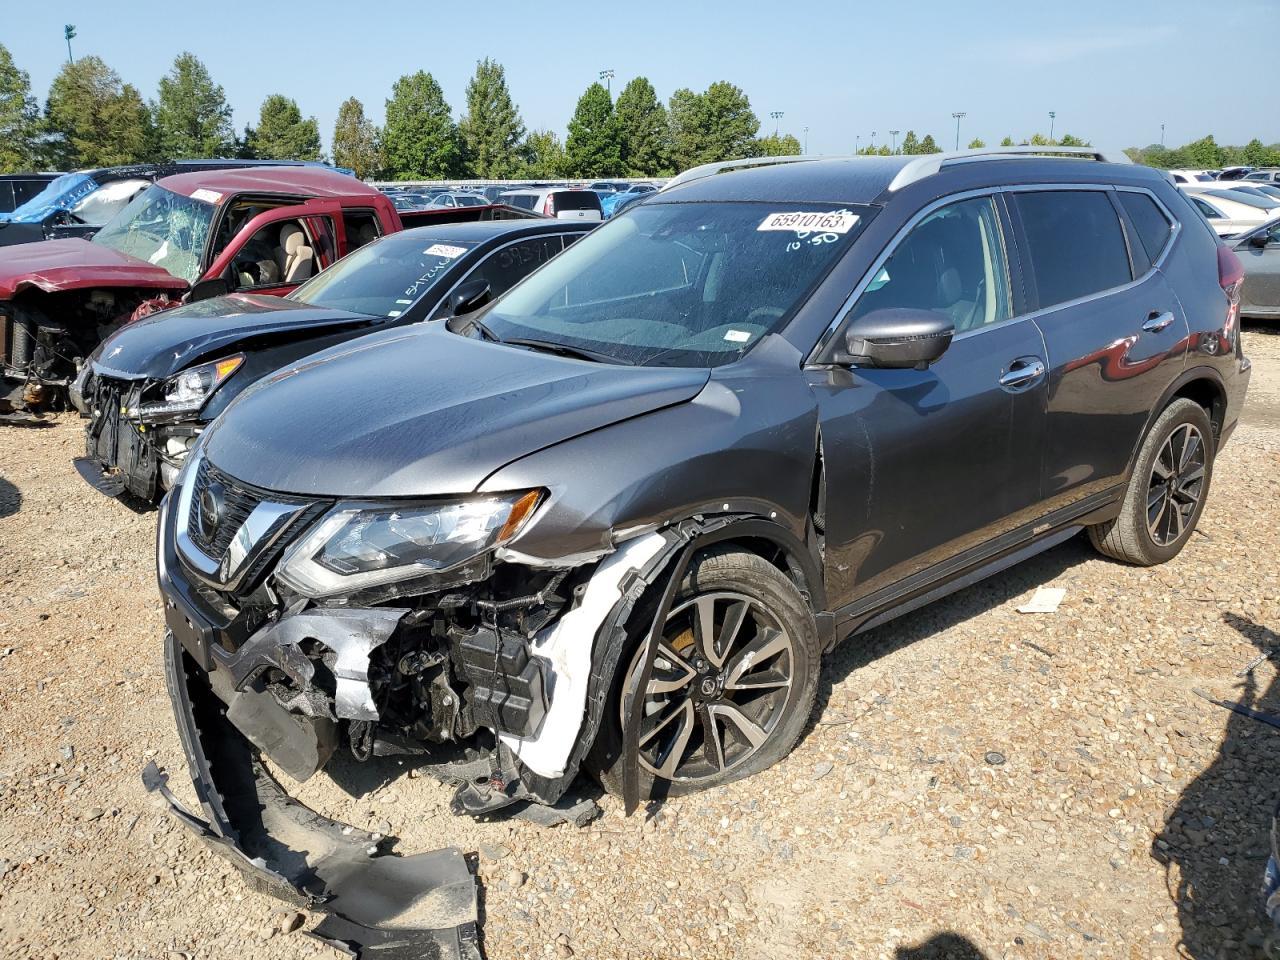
737,336
444,250
394,313
405,302
833,221
208,196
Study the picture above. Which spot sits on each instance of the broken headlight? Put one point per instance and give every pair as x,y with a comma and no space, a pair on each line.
357,546
187,391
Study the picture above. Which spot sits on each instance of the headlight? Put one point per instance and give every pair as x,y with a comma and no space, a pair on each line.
357,546
186,392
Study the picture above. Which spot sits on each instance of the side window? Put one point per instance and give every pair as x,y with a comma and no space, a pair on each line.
280,253
1148,221
361,227
1209,211
1075,243
953,262
508,266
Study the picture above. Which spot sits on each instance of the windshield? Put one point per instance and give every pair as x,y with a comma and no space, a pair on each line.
1239,196
680,284
164,228
384,278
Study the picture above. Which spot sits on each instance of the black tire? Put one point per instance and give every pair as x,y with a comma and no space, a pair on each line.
1131,537
744,577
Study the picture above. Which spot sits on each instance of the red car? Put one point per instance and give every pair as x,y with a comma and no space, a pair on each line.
186,237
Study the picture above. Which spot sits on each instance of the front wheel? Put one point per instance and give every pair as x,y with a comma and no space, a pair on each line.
1166,492
733,681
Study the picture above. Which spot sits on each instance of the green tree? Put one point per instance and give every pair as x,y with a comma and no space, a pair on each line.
491,130
1040,140
1072,141
1203,153
715,125
18,117
927,145
355,140
643,131
94,120
1254,154
976,144
193,118
420,140
780,146
592,147
541,156
910,143
282,134
1007,142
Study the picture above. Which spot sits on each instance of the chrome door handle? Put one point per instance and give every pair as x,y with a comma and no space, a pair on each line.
1022,373
1157,322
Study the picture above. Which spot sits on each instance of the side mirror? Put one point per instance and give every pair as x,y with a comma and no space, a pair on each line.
207,289
1260,239
897,338
469,297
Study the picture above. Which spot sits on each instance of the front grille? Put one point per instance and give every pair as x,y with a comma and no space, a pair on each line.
238,502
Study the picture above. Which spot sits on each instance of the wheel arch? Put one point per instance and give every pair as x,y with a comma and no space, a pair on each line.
1202,384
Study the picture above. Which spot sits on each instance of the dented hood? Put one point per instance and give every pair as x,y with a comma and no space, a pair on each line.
419,411
53,265
170,341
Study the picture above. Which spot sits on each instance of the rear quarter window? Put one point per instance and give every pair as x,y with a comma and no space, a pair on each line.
1149,222
1075,243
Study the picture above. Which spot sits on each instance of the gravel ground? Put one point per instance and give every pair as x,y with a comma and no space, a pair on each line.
976,783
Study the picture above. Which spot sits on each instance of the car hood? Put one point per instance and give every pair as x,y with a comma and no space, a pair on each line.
173,340
53,265
420,411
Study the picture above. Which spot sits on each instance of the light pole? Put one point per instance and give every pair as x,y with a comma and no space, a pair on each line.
607,77
806,140
1162,134
69,31
894,134
857,139
777,116
958,117
1052,115
872,145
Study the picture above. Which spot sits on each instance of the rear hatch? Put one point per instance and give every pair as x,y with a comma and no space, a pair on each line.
575,205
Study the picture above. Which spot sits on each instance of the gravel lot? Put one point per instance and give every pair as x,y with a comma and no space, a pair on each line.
977,782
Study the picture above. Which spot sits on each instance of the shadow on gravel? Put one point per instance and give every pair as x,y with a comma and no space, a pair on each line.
10,498
865,649
1215,842
942,946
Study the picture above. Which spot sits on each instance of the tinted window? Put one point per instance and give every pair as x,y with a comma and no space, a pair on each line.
952,262
1204,208
1148,221
505,267
524,201
1075,243
576,200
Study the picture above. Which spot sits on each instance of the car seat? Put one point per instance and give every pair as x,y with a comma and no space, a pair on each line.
295,258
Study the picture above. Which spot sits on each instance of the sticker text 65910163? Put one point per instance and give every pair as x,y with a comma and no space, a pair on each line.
830,221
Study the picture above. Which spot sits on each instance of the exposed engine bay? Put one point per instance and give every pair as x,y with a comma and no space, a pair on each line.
44,339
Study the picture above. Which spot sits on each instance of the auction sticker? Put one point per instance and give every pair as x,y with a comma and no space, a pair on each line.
444,250
208,196
831,221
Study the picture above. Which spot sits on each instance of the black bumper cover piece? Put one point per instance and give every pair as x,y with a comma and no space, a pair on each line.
420,907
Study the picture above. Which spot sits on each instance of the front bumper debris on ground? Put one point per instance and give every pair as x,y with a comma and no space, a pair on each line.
379,904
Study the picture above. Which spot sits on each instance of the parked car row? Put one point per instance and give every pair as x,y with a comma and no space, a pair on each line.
556,497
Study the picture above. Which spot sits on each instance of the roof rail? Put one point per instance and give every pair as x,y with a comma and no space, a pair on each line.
930,163
724,166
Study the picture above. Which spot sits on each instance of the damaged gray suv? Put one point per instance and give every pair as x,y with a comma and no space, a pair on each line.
613,520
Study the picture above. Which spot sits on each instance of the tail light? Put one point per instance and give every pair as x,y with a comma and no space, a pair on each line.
549,205
1230,277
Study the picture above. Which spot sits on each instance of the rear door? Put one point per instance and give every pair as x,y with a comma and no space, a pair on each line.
576,205
1115,333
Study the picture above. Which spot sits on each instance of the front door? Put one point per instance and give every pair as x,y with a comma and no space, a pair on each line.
1260,293
278,250
923,466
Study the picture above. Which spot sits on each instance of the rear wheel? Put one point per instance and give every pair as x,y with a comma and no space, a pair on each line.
733,681
1167,491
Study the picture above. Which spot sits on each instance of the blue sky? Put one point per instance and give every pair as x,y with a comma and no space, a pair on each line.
1113,71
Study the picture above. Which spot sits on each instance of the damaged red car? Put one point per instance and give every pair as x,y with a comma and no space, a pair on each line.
187,237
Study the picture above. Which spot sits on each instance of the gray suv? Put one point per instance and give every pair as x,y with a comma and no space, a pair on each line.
614,519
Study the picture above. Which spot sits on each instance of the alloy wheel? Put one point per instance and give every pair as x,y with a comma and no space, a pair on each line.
721,679
1177,484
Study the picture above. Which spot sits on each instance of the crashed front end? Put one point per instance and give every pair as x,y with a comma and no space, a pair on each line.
391,629
140,430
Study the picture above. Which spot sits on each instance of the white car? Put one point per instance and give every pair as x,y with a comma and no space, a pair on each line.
1190,176
1230,211
558,202
1264,175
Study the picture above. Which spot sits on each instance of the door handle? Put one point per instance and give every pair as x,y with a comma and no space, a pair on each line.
1022,373
1157,321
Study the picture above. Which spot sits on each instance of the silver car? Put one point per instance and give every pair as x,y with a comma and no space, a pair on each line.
1259,251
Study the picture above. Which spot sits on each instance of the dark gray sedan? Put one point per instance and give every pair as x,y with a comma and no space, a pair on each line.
1259,251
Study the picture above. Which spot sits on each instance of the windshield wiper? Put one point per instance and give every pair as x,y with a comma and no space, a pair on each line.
564,350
